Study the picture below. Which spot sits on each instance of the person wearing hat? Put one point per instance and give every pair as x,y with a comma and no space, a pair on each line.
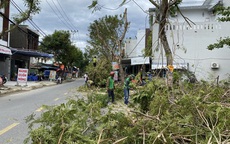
110,86
127,87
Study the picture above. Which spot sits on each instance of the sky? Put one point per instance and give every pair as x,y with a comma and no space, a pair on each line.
74,15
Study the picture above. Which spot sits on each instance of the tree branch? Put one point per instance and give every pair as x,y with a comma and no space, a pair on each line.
154,3
148,116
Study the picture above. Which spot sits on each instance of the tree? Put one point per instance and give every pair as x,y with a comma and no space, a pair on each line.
225,13
103,34
59,44
163,9
106,36
32,8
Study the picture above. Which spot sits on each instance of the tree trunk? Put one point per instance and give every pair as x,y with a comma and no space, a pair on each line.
163,38
122,76
162,34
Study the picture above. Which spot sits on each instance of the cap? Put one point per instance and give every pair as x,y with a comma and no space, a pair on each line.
111,73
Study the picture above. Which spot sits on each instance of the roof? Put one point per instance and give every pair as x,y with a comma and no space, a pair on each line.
30,53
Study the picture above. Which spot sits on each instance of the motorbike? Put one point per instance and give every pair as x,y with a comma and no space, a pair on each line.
59,80
4,79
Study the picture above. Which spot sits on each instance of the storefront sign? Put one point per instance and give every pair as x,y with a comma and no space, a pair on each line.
52,75
115,66
140,60
22,75
5,50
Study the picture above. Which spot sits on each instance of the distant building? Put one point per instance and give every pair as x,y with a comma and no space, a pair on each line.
134,58
189,43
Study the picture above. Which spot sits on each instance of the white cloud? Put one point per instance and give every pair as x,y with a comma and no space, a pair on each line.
79,16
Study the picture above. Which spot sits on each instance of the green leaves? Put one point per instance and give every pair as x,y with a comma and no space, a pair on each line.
224,13
189,114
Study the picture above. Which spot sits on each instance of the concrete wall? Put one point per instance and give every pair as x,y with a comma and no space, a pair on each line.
135,47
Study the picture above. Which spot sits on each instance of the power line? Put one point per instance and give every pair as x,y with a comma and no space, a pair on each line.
61,15
66,15
19,27
58,15
30,20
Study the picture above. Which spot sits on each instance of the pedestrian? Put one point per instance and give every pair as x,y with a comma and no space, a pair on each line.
77,72
110,86
126,88
86,77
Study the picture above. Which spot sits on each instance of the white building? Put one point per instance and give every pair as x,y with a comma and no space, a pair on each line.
189,44
134,52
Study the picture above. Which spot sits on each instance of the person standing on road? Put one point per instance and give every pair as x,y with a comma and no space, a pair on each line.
86,77
126,88
110,86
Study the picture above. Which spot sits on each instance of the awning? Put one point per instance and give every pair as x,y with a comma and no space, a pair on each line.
30,53
5,50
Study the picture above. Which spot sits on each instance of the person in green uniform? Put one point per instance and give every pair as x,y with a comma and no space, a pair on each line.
126,88
110,87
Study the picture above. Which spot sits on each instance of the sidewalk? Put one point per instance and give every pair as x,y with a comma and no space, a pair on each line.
11,86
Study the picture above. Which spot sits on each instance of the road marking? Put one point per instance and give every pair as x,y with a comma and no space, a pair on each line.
8,128
40,109
56,99
66,93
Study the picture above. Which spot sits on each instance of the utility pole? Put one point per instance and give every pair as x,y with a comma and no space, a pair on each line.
73,33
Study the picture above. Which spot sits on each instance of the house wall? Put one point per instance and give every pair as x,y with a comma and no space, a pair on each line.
18,38
135,47
189,44
129,48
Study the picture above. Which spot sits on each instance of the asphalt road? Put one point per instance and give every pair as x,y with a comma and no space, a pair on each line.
15,108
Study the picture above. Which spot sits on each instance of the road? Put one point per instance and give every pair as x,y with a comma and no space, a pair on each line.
15,108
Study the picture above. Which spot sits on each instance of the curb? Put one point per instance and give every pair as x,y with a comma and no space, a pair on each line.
12,89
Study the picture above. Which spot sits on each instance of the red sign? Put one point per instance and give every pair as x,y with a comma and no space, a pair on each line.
22,75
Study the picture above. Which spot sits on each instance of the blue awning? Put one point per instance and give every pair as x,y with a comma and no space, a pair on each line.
30,53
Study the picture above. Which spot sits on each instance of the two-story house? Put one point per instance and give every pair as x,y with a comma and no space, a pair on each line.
18,46
189,43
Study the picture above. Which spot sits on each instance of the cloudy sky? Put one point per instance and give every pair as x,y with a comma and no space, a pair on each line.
74,15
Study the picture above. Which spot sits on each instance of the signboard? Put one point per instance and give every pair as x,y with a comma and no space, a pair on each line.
5,50
22,75
52,75
140,60
115,66
175,66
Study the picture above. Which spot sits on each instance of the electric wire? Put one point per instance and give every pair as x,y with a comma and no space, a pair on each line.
66,21
66,16
19,27
58,16
30,20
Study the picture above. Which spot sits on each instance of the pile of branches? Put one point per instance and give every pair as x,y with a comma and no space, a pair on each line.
187,113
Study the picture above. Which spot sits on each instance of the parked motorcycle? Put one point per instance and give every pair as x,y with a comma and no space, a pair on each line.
4,79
